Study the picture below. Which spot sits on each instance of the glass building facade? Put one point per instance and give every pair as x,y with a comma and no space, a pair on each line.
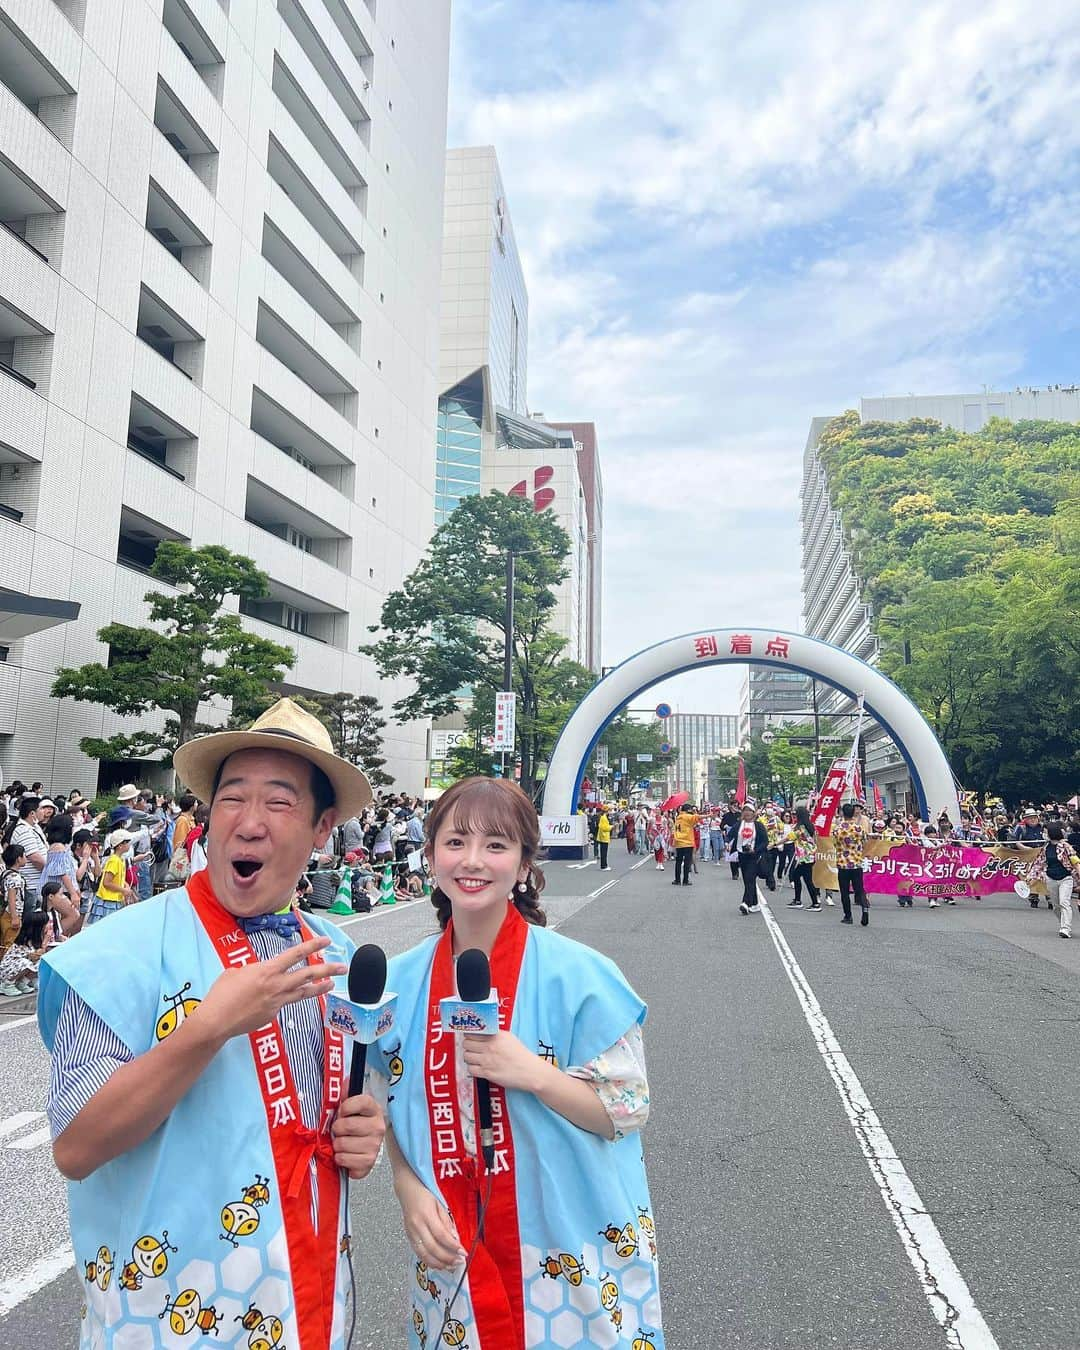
458,446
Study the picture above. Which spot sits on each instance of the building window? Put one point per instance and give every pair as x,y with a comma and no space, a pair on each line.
515,343
298,539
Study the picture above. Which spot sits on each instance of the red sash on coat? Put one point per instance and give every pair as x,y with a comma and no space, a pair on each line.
495,1278
312,1252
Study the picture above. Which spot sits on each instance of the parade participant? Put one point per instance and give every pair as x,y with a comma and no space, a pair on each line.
848,841
660,835
566,1198
750,844
603,837
686,822
804,846
196,1096
771,821
1061,871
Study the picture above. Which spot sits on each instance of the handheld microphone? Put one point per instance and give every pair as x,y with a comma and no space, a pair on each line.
367,982
474,986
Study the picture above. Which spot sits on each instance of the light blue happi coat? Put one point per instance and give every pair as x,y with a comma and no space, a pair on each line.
181,1240
579,1196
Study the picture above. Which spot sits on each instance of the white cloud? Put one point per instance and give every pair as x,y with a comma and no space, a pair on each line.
735,217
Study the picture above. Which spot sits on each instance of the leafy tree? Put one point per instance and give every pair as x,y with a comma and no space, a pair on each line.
445,626
355,728
197,653
626,738
774,769
966,545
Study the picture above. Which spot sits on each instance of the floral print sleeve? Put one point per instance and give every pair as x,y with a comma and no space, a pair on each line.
618,1077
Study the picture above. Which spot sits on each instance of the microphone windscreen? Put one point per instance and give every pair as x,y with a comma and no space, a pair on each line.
473,976
367,974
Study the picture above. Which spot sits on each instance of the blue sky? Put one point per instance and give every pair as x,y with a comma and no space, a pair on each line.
735,217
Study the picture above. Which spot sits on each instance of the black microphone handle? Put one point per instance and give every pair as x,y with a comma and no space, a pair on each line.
356,1070
483,1112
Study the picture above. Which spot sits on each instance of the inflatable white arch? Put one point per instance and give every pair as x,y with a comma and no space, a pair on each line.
885,702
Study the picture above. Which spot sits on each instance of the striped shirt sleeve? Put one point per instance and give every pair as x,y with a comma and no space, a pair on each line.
86,1054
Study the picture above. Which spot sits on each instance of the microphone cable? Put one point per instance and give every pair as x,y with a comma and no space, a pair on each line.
481,1216
352,1272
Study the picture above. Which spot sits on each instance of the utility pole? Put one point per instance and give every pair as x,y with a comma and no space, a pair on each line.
508,639
817,736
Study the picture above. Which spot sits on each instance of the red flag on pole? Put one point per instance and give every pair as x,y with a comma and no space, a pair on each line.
879,805
740,783
856,784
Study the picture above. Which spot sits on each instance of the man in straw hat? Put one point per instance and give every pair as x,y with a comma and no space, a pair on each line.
196,1094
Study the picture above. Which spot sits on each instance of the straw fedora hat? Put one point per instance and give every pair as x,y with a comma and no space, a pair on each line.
285,726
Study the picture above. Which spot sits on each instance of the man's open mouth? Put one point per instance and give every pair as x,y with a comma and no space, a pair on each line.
246,867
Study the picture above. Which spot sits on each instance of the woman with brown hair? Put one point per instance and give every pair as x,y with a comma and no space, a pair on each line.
558,1193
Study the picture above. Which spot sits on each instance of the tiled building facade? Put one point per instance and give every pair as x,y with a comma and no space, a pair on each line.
219,290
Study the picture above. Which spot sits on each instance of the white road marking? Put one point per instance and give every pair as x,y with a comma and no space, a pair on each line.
35,1140
601,889
376,911
945,1288
19,1121
641,863
43,1272
576,867
17,1022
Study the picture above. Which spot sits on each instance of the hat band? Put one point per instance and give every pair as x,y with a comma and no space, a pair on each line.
292,735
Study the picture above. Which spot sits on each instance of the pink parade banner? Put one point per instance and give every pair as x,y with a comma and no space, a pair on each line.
948,871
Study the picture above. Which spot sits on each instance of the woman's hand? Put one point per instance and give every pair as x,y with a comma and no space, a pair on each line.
502,1059
428,1226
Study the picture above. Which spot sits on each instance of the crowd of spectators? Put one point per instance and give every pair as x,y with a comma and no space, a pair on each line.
66,866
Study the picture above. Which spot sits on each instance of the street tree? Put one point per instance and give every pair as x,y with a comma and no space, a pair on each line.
355,727
444,627
196,651
626,738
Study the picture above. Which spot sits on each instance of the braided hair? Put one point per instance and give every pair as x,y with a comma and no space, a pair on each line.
492,806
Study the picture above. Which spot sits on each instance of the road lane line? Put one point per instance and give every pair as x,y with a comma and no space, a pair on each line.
601,889
945,1288
641,863
43,1272
17,1022
19,1121
35,1140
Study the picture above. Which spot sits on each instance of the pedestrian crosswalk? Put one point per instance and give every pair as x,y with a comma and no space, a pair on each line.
13,1131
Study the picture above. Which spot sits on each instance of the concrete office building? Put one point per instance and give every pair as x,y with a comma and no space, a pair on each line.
219,290
487,441
484,323
833,609
771,698
531,459
697,737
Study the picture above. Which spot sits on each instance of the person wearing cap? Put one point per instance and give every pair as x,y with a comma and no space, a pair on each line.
197,1093
113,891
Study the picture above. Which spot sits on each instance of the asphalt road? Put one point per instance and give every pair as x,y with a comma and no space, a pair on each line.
960,1026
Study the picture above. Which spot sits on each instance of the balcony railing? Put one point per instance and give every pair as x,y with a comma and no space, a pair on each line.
15,235
9,512
17,375
149,455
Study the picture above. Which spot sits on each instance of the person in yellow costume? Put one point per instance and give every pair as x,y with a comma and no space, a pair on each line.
686,821
603,838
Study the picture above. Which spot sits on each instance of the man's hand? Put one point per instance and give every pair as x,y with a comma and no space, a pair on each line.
245,998
502,1059
358,1134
